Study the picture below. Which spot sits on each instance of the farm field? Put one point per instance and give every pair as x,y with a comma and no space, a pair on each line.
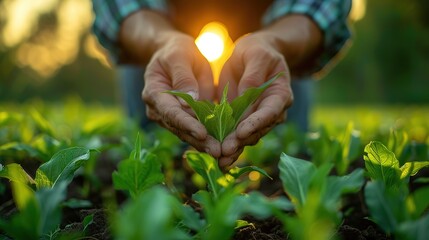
83,171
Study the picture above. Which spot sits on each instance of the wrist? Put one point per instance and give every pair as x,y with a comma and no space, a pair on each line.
139,35
297,37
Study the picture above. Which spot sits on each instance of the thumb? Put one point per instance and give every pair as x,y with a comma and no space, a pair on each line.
183,80
250,78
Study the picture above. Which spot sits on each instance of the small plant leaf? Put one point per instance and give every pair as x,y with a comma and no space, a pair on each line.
243,102
61,167
412,168
418,202
296,175
397,142
88,220
338,185
202,109
137,175
14,172
21,181
221,119
207,167
381,202
39,216
150,216
414,230
221,122
236,172
382,164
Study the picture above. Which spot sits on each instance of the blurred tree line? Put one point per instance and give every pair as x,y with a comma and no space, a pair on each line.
387,62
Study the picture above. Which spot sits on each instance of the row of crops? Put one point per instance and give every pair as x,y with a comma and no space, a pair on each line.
76,171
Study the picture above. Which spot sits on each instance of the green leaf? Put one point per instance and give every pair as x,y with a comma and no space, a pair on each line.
220,214
397,142
414,230
202,109
61,167
382,164
221,122
13,147
412,168
418,202
50,206
221,119
296,175
150,216
338,185
14,172
260,206
136,153
243,223
350,148
24,224
323,148
381,204
236,172
137,175
40,216
88,220
190,218
243,102
41,122
21,181
207,167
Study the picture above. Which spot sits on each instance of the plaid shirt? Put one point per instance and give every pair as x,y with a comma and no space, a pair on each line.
329,15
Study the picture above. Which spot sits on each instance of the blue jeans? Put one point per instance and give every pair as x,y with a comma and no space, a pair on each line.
131,81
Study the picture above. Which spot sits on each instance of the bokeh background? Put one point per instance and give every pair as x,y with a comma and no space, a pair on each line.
47,52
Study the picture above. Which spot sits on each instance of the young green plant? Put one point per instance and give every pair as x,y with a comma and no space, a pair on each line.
388,197
221,119
40,210
316,197
224,203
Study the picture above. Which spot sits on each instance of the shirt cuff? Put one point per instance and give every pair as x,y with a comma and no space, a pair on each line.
109,15
330,16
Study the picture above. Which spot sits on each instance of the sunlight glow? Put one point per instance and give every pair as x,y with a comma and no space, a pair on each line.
254,176
358,10
21,18
48,48
215,45
211,45
211,41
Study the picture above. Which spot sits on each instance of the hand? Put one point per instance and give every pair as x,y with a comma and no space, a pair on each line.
253,62
178,65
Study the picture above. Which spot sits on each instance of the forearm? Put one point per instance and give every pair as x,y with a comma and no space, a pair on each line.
142,34
297,37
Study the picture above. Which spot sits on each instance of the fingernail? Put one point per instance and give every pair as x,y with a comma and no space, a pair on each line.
193,94
195,135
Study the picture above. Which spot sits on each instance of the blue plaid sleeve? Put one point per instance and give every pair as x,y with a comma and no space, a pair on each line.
109,15
331,17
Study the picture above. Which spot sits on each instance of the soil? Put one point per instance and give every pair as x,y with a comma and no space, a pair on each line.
355,223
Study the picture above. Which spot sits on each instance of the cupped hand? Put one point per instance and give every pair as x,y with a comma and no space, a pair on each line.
254,61
178,65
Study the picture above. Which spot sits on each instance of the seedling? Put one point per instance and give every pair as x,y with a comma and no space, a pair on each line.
221,119
224,202
315,195
40,211
139,172
390,203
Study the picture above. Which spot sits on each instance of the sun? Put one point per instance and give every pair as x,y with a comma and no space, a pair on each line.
211,41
